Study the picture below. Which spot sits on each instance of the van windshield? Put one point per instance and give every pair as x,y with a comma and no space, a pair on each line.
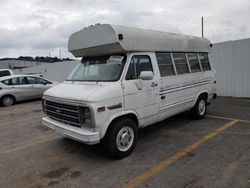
105,68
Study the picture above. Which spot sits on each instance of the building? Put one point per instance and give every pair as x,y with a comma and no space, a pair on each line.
17,64
231,61
53,71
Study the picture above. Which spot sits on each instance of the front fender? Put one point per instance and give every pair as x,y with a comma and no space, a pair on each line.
104,128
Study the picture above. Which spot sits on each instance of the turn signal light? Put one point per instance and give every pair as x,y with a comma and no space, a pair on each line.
101,109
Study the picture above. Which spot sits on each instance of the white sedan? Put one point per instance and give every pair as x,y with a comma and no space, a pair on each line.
22,87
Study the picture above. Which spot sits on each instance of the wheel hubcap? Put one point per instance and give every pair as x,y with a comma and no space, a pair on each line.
202,107
7,101
125,138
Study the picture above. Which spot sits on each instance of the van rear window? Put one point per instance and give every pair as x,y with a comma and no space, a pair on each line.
4,73
204,61
193,62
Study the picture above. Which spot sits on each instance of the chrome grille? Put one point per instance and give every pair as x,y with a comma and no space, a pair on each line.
65,113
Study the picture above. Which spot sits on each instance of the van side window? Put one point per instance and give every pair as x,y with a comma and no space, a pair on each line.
180,63
194,62
165,63
204,61
138,64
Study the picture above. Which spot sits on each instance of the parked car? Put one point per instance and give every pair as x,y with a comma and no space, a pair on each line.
6,72
22,87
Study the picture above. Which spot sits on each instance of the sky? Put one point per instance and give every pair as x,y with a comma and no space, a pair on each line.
42,27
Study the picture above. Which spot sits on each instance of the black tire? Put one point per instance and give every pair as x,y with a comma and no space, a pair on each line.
197,111
7,100
114,134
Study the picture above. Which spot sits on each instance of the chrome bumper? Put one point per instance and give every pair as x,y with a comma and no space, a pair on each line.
80,134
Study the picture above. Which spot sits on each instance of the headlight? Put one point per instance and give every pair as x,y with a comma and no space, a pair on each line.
43,105
86,117
86,113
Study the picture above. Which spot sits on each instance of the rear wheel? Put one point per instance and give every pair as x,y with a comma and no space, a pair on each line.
200,108
121,137
7,100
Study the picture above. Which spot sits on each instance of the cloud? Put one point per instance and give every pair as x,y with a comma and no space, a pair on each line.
33,38
41,26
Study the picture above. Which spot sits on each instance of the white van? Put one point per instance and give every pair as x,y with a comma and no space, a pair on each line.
128,78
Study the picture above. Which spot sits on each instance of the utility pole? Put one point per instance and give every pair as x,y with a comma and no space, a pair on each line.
202,29
60,53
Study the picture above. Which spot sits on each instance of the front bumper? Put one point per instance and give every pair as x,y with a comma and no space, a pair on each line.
80,134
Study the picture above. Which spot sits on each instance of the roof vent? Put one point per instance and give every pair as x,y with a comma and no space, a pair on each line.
120,36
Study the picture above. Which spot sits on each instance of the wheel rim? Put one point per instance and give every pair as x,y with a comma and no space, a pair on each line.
202,107
125,138
8,101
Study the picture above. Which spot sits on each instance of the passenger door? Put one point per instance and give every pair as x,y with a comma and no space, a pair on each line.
140,95
20,88
38,86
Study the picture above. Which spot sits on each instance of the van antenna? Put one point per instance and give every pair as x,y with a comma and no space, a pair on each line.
202,29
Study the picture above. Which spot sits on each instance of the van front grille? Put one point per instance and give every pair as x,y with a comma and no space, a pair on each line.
65,113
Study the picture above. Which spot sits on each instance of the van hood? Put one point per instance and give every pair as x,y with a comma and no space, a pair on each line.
83,91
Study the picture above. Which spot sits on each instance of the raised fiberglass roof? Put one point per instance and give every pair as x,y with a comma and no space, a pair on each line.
109,39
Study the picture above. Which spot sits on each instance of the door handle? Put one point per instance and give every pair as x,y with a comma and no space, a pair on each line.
163,97
154,84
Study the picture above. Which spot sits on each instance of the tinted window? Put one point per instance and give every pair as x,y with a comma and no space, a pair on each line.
193,62
42,81
138,64
15,81
48,82
19,81
180,63
6,82
4,73
31,80
165,64
204,61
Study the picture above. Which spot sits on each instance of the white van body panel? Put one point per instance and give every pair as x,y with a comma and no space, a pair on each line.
181,92
139,95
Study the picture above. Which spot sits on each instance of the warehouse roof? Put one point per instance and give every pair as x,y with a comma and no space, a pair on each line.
106,39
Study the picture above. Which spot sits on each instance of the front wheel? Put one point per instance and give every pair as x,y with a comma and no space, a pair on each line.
200,108
121,137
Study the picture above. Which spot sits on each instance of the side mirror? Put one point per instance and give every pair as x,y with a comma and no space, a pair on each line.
146,75
44,82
